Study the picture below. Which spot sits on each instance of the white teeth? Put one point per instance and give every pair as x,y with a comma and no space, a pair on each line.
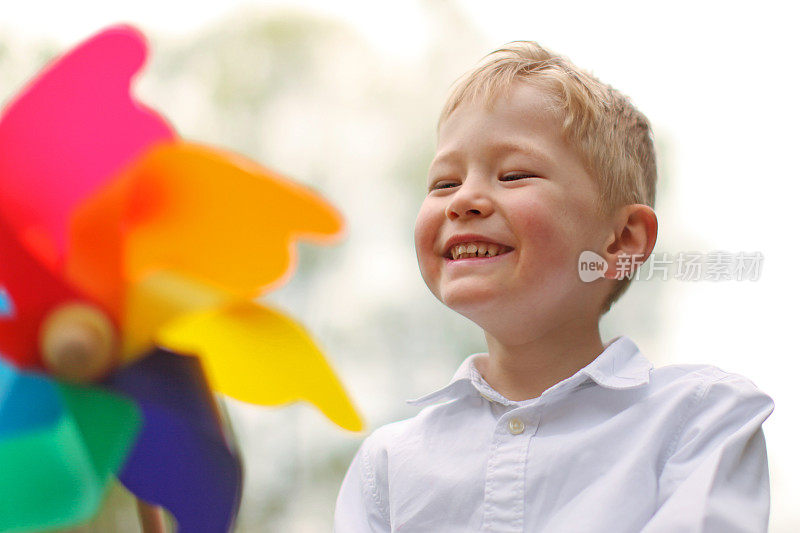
476,249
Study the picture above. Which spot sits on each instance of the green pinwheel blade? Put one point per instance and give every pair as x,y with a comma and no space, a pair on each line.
108,423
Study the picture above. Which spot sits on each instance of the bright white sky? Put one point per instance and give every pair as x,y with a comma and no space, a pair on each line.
719,82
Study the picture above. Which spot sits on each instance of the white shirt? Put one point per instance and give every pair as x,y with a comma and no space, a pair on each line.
618,446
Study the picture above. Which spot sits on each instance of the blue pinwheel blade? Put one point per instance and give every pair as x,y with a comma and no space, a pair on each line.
60,446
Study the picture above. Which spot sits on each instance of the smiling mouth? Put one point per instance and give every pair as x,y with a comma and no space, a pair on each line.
476,257
479,249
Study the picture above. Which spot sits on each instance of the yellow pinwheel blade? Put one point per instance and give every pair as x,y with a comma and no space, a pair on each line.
159,298
259,355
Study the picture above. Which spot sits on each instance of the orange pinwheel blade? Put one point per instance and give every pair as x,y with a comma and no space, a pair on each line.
203,213
97,230
220,218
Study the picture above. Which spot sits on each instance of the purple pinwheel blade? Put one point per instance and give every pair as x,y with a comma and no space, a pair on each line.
184,459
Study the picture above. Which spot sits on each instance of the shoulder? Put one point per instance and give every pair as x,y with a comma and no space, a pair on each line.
430,425
703,382
709,402
373,457
409,430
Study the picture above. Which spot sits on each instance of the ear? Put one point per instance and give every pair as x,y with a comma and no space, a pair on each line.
635,229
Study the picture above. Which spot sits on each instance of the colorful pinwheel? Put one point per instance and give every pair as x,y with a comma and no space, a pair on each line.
130,263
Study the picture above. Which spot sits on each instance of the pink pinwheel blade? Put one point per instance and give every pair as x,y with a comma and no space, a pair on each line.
70,131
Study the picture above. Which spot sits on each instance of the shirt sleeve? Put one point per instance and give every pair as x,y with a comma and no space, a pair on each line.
717,477
362,504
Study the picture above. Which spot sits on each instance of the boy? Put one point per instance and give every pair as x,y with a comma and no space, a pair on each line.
552,429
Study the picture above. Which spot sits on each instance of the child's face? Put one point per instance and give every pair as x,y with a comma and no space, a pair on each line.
508,175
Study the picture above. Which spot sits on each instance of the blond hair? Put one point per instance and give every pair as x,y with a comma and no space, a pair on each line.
612,138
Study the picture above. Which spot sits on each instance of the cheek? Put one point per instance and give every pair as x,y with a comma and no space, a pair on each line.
542,226
550,239
420,231
425,230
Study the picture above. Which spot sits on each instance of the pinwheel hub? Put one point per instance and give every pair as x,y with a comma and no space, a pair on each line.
78,342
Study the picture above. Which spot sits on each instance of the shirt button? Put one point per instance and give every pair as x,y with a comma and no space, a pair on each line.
516,426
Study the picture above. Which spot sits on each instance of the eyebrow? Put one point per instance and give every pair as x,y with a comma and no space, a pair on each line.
499,147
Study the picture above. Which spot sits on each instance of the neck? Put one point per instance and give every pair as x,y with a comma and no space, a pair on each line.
523,370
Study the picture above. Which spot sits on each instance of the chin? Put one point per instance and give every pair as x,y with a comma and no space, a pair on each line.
472,306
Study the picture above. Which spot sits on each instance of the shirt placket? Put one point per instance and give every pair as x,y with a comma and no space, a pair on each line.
504,495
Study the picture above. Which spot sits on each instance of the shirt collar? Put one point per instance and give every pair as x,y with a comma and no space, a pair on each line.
620,366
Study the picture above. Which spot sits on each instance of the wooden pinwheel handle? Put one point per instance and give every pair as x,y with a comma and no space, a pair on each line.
150,517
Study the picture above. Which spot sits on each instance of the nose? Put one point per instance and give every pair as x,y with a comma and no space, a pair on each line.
471,199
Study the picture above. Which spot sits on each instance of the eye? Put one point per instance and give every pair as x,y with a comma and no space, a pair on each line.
442,185
513,177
